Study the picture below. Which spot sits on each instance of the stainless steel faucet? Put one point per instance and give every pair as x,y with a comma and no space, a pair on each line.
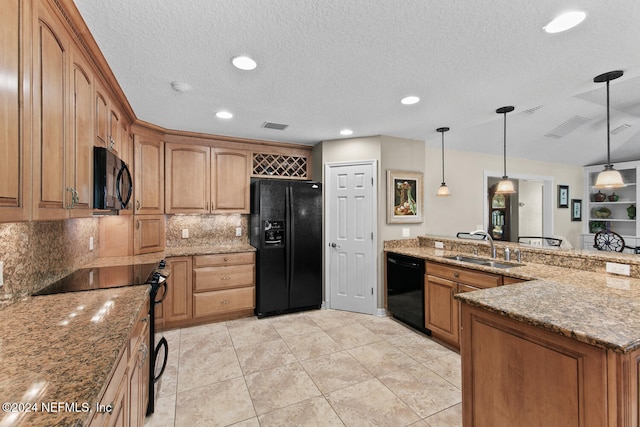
493,248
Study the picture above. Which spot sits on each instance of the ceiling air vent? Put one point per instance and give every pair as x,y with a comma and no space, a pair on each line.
567,127
532,110
276,126
620,129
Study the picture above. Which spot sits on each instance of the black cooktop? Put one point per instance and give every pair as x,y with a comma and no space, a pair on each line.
86,279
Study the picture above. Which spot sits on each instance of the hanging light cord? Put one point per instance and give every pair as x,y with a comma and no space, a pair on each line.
504,158
442,157
608,131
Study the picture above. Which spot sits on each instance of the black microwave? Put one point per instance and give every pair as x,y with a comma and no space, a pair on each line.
112,184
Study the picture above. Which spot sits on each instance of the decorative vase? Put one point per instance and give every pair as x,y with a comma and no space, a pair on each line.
631,211
599,197
613,197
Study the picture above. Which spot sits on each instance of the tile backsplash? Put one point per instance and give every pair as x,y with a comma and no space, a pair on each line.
36,253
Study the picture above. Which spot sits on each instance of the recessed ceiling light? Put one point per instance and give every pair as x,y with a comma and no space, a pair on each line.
224,115
244,63
565,22
180,87
408,100
346,132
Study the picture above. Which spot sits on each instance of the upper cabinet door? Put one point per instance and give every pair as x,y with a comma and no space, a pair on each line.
148,188
50,117
13,175
102,117
230,179
81,148
187,188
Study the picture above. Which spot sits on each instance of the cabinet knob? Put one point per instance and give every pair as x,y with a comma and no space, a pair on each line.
456,274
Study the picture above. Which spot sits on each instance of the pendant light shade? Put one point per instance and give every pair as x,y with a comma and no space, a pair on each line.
506,185
609,177
443,190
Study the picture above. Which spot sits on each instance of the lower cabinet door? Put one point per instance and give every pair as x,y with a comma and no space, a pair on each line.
217,302
177,305
441,309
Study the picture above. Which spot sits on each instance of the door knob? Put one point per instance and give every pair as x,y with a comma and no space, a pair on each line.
333,245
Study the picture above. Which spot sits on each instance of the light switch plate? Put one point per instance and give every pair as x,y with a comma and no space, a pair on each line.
238,231
406,232
185,233
90,243
1,273
439,245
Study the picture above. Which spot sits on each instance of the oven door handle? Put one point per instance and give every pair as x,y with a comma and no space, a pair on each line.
161,284
162,343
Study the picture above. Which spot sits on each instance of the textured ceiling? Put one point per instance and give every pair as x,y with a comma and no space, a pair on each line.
324,65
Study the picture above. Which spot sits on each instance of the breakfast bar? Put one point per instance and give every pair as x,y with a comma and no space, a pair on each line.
561,348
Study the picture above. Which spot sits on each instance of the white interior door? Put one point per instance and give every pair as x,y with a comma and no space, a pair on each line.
351,217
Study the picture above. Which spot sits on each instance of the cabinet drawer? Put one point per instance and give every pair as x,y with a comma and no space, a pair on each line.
140,331
463,275
223,259
215,302
211,278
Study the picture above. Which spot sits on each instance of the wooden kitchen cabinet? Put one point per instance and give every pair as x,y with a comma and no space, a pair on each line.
441,315
223,284
177,306
15,131
126,394
515,374
230,175
148,234
148,188
188,171
442,311
140,355
62,120
204,179
208,288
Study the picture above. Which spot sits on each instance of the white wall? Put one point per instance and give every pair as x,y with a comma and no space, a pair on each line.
464,174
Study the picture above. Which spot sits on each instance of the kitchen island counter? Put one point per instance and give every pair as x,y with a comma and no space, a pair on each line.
585,304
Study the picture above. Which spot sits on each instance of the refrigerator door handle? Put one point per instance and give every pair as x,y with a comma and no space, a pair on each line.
287,234
292,238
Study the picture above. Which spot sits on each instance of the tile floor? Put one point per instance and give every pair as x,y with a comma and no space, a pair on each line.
315,368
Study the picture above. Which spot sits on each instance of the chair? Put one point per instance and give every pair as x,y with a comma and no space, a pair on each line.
540,241
611,241
466,235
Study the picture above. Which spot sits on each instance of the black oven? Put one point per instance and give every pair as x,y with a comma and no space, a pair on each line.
112,183
158,341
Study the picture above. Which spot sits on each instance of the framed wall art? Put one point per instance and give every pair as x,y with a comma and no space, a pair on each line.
405,198
576,209
563,196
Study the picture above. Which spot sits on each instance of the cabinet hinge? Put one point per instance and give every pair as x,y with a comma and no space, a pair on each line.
372,235
371,180
371,291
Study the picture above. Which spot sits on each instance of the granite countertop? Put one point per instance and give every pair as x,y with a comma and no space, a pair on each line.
208,250
597,308
63,348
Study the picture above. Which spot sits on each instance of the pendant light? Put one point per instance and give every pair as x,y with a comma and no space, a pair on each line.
443,190
609,177
506,185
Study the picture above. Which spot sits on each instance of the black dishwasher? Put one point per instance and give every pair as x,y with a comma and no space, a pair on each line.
405,289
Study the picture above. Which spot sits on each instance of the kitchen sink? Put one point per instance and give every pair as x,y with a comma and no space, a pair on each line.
482,261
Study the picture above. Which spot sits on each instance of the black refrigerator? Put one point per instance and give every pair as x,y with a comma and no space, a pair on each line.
286,230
